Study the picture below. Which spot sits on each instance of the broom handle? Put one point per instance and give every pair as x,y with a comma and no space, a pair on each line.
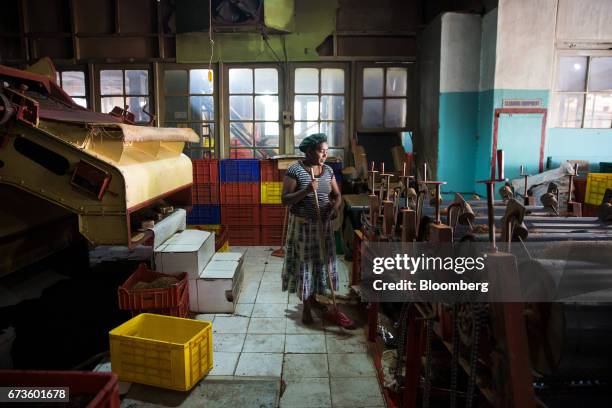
321,244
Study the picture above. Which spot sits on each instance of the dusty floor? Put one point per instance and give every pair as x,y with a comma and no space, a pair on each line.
320,365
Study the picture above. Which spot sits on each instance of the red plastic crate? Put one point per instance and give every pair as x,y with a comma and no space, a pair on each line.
268,171
240,215
205,171
272,214
240,193
205,193
181,310
271,235
87,389
151,299
243,235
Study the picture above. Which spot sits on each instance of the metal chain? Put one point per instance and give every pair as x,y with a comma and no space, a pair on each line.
427,385
477,317
454,357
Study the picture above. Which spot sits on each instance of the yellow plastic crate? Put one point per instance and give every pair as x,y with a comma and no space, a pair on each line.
216,228
597,183
163,351
271,192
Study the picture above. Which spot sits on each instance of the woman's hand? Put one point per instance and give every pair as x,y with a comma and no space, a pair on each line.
313,186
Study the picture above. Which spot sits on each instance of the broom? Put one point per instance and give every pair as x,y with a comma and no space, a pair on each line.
280,252
339,318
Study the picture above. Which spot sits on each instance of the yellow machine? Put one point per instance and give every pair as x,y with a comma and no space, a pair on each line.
58,161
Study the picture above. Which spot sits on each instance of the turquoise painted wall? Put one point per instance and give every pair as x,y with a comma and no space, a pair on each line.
458,119
594,145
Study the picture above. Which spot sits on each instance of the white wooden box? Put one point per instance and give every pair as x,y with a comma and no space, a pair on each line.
186,251
218,288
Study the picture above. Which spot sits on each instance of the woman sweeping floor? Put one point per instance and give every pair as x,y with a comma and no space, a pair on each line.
310,257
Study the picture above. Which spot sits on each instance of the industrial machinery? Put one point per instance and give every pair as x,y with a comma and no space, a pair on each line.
65,170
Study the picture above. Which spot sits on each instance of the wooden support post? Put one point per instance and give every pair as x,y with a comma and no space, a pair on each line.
440,233
510,334
387,226
414,350
409,231
374,209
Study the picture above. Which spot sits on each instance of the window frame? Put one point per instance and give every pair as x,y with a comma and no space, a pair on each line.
409,98
216,153
97,106
574,53
76,68
347,101
226,146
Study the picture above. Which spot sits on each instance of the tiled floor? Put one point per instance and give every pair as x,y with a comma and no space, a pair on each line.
321,365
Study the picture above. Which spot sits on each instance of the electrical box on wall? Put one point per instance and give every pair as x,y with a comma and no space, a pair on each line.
287,118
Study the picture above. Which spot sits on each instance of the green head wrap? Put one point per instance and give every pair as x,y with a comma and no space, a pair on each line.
312,141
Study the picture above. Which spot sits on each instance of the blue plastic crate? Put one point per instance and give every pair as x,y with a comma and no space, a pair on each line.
239,170
204,214
337,168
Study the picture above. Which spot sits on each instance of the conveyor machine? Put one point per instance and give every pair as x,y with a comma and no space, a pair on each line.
58,160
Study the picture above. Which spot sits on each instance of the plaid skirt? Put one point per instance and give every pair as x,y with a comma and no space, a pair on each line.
305,269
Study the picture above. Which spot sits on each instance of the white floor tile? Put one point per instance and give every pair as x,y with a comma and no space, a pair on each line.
267,325
205,317
350,365
227,342
244,309
305,366
260,364
264,343
295,326
355,343
275,297
306,393
233,324
224,363
305,343
355,392
269,310
248,294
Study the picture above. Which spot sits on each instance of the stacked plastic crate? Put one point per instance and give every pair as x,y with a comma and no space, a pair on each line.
205,194
272,211
240,212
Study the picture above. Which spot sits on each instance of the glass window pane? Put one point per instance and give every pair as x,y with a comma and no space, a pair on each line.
598,111
397,79
572,74
372,82
206,131
202,108
241,80
199,83
241,134
335,133
111,82
175,82
332,80
265,153
303,129
266,81
600,74
241,107
306,80
332,107
138,105
395,113
267,134
306,107
73,82
80,101
175,108
108,103
136,82
568,110
266,107
242,153
371,115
